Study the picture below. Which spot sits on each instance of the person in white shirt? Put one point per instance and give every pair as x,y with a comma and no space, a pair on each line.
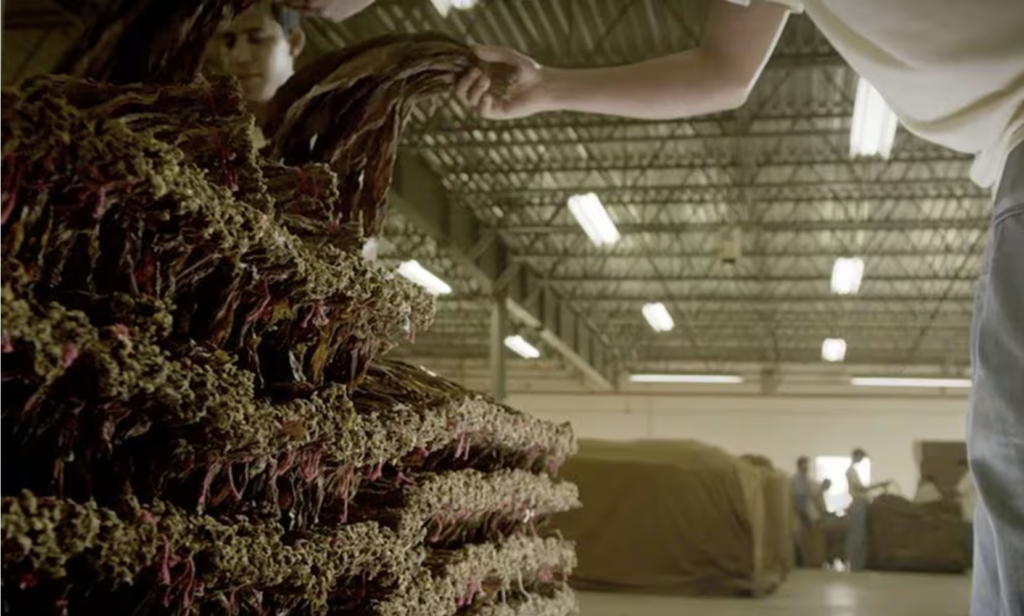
857,513
967,493
953,71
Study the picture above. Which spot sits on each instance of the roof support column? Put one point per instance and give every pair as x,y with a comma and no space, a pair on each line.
499,329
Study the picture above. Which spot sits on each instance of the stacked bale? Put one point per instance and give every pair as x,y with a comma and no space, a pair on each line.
927,538
198,417
677,517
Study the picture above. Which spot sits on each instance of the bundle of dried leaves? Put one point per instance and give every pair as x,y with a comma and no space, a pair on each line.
348,107
455,508
148,557
102,412
92,207
476,576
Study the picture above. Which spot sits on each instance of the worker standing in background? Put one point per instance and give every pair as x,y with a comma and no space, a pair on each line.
260,46
803,488
953,72
857,513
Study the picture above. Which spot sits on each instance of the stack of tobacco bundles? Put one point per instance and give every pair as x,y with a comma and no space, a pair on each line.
199,417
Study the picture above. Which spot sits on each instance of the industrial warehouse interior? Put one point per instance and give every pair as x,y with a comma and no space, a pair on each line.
354,347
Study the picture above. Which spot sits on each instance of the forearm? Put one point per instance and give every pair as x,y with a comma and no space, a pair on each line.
338,10
716,76
683,85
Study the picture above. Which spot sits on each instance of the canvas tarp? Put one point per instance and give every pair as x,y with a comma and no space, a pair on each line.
903,536
677,516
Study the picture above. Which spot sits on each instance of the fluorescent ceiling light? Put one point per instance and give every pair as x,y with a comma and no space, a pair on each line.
591,215
874,125
944,383
833,349
709,379
445,6
423,277
658,317
521,347
847,273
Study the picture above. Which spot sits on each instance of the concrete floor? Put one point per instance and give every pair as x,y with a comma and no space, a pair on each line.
807,593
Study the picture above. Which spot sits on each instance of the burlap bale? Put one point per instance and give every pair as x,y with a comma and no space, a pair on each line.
676,516
928,538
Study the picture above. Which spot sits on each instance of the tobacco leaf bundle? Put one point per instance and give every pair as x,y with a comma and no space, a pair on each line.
464,506
488,431
161,555
561,602
93,208
101,412
476,576
144,40
348,107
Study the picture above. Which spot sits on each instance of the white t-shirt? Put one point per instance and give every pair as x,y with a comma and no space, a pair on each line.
854,485
952,70
968,497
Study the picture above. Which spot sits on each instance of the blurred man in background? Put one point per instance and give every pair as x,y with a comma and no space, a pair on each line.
259,47
857,514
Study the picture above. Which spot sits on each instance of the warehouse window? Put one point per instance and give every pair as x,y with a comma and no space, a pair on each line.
833,468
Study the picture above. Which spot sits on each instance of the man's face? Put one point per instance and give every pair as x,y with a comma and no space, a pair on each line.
254,48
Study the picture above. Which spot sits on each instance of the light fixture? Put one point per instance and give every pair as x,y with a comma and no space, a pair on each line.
521,347
873,129
833,349
658,317
847,273
415,272
706,379
593,218
445,6
879,381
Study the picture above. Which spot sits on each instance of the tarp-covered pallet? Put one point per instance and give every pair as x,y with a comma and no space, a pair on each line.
677,517
196,414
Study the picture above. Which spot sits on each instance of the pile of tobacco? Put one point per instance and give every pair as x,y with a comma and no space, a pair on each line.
199,417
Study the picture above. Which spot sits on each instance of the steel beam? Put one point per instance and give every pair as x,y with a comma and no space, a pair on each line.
878,189
718,298
808,354
772,227
419,195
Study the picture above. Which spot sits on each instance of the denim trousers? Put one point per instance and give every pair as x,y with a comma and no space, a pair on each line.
995,426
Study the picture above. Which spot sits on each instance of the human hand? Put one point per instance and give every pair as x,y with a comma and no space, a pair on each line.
509,86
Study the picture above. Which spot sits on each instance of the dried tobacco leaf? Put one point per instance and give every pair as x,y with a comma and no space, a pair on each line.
188,558
150,224
480,575
347,108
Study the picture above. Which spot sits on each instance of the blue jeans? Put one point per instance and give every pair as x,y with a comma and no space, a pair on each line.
995,430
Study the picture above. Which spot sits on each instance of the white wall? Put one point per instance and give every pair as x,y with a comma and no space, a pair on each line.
778,427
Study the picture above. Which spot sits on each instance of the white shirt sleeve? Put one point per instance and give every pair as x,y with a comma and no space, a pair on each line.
796,6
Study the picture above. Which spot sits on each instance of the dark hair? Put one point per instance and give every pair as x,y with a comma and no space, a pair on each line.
803,460
288,18
859,453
